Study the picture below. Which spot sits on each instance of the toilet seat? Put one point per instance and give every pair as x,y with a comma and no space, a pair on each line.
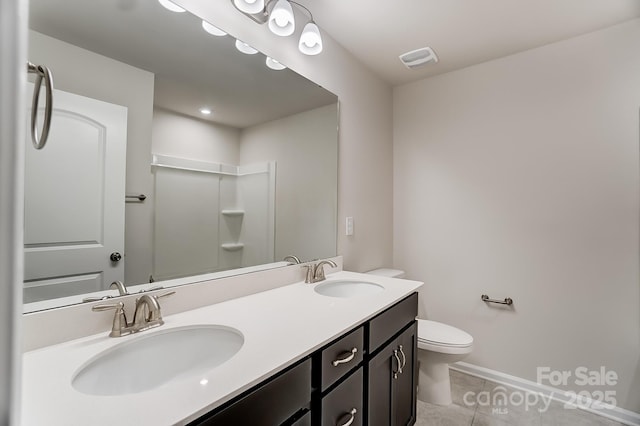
437,337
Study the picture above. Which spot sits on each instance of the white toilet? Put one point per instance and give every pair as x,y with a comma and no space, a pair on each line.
438,346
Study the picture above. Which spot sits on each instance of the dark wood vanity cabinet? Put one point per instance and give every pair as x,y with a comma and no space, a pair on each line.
281,400
383,379
392,382
368,376
344,404
392,375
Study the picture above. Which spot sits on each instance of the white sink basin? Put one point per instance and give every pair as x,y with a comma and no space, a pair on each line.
347,288
151,361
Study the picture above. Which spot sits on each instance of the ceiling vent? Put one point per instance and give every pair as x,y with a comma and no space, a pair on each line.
419,57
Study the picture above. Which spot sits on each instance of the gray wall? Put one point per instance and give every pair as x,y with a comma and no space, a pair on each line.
365,177
519,178
304,148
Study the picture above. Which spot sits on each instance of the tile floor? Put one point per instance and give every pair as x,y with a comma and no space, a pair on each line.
476,410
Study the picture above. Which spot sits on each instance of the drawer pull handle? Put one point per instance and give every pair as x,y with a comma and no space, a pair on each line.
348,418
404,358
399,371
349,357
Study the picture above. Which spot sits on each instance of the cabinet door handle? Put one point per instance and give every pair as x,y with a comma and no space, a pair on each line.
350,355
399,371
348,418
404,358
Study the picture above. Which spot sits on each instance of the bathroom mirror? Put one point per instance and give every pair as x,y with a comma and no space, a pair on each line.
209,195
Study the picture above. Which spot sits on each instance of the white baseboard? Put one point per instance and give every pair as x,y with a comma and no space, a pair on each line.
596,407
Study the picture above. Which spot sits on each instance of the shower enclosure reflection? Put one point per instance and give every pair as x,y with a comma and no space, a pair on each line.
272,136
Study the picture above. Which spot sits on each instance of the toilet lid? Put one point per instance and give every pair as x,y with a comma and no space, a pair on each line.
442,334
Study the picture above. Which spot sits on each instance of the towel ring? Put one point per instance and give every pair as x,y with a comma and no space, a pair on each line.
41,72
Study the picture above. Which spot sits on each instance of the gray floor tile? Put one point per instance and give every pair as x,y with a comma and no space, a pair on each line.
511,405
481,419
437,415
559,415
492,404
464,388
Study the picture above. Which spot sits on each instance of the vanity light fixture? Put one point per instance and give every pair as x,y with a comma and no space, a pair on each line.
249,6
281,21
212,29
245,48
171,6
310,40
274,64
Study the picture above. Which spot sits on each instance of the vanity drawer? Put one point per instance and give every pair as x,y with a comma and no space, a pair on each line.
344,402
388,323
272,403
304,421
341,357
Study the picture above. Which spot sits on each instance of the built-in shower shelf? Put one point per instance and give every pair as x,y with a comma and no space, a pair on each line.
233,212
232,246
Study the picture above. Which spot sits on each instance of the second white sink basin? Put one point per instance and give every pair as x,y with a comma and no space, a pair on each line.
347,288
151,361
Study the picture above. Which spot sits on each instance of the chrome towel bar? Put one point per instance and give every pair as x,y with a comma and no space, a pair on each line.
41,72
506,301
140,197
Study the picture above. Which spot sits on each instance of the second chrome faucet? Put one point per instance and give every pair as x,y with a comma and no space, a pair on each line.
315,272
147,315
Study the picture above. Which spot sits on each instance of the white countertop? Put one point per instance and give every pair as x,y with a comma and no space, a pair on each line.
280,327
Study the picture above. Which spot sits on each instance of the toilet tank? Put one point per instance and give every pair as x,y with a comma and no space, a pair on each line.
385,272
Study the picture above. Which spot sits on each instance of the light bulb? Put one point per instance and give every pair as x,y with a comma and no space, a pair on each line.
310,40
281,20
245,48
171,6
212,29
249,6
273,64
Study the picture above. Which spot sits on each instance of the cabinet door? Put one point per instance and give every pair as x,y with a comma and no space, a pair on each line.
404,387
392,380
343,405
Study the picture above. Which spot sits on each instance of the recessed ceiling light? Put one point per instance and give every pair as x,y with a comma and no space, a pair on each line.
274,65
212,29
245,48
171,6
205,111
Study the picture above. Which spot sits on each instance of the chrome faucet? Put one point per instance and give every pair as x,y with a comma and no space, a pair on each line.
295,259
119,285
122,289
147,315
315,273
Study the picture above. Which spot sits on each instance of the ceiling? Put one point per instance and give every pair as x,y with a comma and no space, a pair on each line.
461,32
192,68
243,92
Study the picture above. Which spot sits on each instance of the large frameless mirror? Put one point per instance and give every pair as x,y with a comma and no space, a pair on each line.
172,158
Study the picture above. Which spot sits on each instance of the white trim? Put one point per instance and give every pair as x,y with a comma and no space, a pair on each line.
610,412
271,231
178,163
13,73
